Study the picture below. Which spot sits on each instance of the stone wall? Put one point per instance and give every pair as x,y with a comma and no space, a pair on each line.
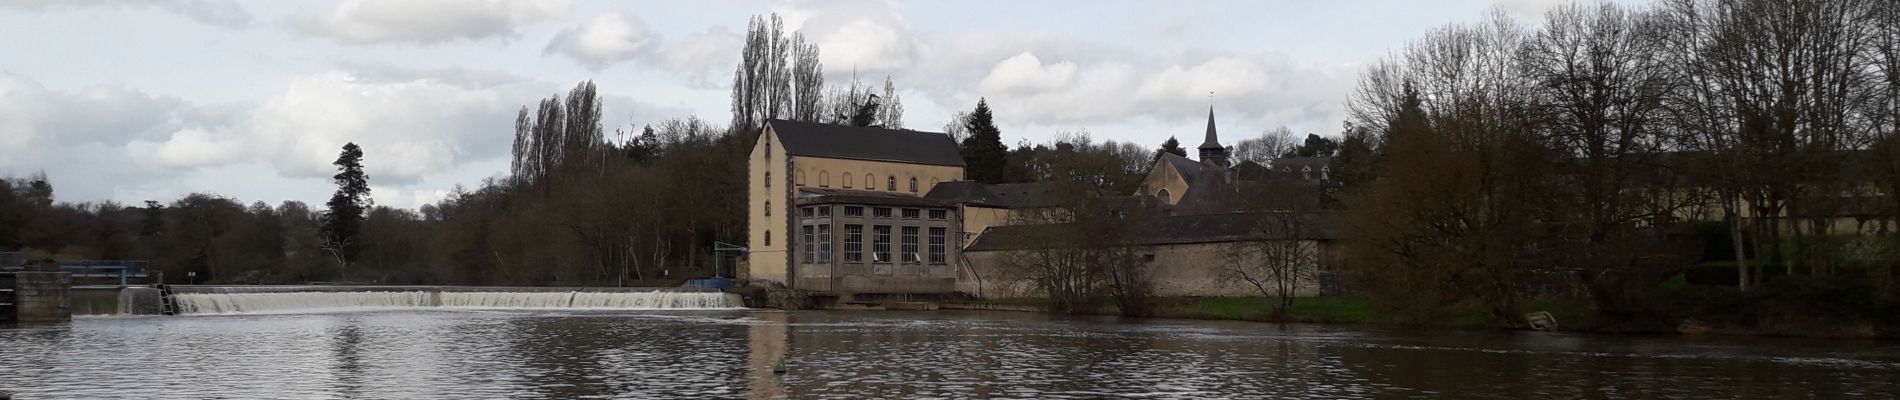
1196,270
40,296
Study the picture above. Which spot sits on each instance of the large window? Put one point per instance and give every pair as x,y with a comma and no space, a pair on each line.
910,246
881,243
810,250
853,243
937,244
824,244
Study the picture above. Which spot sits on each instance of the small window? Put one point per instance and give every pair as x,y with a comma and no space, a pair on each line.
810,242
870,182
939,214
768,237
890,183
853,211
805,212
768,179
824,211
1147,258
1326,173
1306,173
847,180
768,208
824,179
1163,195
798,178
881,212
912,213
913,185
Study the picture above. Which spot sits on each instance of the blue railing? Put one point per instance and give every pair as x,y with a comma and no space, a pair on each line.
123,269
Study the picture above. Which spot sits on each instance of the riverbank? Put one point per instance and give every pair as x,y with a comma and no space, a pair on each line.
1569,316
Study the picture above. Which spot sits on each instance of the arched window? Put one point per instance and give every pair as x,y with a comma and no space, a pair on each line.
870,183
1306,173
1163,195
768,237
847,180
768,207
798,178
1326,172
824,178
768,179
913,185
890,183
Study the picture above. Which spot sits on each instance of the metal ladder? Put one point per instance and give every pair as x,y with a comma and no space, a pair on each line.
166,304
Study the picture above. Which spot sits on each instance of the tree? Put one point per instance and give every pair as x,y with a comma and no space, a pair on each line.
1171,147
1316,146
762,84
1272,144
808,81
984,156
343,222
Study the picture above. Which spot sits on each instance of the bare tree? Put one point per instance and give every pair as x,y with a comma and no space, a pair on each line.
1272,144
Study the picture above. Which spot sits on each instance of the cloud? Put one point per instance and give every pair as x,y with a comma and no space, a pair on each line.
40,121
856,36
429,21
408,129
188,148
222,13
609,38
1026,73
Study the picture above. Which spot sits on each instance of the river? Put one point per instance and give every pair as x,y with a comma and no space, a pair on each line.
557,354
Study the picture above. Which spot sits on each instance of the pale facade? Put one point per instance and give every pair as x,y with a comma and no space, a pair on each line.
789,156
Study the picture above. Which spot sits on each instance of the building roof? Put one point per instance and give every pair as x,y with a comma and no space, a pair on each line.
1188,229
813,139
1296,162
810,195
1190,170
1213,140
1007,195
967,192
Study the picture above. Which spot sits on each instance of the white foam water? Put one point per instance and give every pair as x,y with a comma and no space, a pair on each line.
230,303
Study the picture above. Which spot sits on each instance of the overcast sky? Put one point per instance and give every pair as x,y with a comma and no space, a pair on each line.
151,100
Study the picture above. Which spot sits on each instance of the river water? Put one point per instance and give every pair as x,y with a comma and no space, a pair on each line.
472,353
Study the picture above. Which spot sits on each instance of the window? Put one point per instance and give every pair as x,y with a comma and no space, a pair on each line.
853,243
1326,173
939,214
853,211
824,244
913,185
910,245
881,243
824,179
824,211
1306,173
768,207
912,213
890,183
798,178
805,212
810,249
870,183
937,244
1163,195
881,212
768,179
768,238
847,180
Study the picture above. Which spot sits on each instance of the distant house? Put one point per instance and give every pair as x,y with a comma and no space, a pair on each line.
840,209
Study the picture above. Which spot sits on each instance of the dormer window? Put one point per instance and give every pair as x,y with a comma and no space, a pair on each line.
1326,173
913,185
1306,173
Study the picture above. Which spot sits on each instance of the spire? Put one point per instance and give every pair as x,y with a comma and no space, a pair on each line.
1213,140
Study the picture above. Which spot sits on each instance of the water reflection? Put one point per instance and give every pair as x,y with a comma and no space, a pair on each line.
733,354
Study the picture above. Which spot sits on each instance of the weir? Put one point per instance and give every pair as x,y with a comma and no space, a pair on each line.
254,299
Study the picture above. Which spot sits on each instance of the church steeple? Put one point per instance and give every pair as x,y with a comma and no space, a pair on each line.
1212,152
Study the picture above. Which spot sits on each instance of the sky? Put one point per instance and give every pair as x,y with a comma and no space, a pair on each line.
150,100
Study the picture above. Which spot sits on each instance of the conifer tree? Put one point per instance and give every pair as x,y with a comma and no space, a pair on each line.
1171,146
343,222
983,153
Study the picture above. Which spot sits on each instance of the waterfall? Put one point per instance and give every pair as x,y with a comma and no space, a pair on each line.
225,302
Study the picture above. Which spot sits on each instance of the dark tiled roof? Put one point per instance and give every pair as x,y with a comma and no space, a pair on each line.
1296,162
1190,170
1213,140
808,195
1210,228
859,143
1032,194
970,192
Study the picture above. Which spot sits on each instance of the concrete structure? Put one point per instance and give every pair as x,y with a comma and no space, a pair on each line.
35,296
795,166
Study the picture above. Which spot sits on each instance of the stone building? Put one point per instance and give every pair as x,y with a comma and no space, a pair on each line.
840,209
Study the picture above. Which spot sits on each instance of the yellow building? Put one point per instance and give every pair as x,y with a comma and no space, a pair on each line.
819,189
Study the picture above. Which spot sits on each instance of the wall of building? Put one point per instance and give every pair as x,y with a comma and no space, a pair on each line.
1177,270
1164,176
767,261
978,218
830,173
838,274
